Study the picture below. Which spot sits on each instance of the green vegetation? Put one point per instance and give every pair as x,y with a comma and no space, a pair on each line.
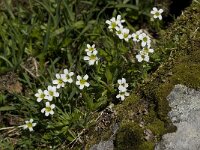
39,39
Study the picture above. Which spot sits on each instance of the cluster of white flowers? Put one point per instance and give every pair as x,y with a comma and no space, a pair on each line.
140,36
115,24
122,89
91,55
51,92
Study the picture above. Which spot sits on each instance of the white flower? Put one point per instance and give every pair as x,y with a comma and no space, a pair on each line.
40,95
48,109
90,48
157,13
50,93
59,81
125,34
82,81
114,22
122,95
135,35
122,84
29,124
145,39
67,76
119,18
142,56
147,50
91,58
119,31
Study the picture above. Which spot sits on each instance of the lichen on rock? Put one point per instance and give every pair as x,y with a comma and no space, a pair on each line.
185,113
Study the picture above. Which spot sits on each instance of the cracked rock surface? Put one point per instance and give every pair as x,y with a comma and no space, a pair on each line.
185,115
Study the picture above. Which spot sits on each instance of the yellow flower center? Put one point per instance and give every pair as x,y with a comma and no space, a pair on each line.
60,81
91,49
82,81
42,95
92,57
125,35
157,14
51,93
145,39
30,125
113,24
48,109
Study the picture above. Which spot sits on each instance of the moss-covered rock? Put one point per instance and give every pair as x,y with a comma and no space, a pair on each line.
181,40
179,49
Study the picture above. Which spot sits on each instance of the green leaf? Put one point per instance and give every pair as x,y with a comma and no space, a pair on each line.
6,60
79,24
126,6
7,108
88,100
58,31
108,75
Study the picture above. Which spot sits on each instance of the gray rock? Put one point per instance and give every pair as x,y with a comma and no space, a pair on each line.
185,114
103,145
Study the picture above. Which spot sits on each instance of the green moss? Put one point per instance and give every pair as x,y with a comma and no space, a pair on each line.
161,92
157,127
146,146
129,136
187,74
150,117
128,107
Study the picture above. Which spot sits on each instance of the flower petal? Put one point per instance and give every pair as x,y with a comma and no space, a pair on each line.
66,71
47,104
51,112
46,113
79,77
81,86
77,82
42,110
87,84
71,74
53,106
86,77
86,58
160,11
